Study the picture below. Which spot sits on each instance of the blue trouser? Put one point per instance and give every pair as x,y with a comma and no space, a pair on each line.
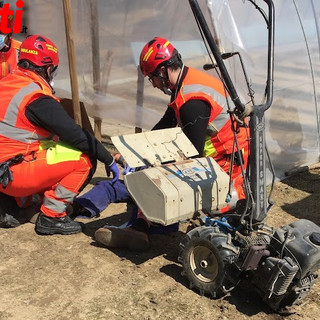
102,194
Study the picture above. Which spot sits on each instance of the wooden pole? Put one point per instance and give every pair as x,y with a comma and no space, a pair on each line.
95,47
95,50
103,90
106,72
100,81
72,61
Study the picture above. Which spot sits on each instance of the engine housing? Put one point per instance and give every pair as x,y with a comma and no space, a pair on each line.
286,276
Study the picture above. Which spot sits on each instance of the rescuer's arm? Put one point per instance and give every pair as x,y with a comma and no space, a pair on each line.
167,121
194,116
49,114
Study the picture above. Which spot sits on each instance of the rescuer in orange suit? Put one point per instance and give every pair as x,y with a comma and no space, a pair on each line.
9,49
42,149
199,106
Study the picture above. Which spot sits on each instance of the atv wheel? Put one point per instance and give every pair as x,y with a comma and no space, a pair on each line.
207,257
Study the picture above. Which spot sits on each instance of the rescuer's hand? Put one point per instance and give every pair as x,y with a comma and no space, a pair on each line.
245,113
127,169
119,159
114,170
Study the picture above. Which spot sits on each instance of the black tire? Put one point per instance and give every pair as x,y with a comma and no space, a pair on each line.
207,256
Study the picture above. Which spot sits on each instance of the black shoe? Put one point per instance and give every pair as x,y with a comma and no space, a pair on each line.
76,210
48,225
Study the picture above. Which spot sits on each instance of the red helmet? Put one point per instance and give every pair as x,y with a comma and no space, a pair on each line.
40,51
154,53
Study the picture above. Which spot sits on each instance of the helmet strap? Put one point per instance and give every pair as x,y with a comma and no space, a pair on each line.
166,84
165,87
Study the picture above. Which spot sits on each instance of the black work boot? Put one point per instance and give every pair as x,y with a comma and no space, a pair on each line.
48,225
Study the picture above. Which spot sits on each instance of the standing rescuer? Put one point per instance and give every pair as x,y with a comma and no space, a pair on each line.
42,149
199,105
9,48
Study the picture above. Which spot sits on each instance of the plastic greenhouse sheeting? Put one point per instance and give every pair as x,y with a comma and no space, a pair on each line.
124,26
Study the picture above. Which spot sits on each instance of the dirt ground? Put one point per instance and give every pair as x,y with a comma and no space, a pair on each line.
72,277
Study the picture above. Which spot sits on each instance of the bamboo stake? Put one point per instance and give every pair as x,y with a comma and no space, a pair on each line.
72,61
106,72
95,49
103,90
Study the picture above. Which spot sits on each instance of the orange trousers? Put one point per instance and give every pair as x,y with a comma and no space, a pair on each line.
236,175
59,183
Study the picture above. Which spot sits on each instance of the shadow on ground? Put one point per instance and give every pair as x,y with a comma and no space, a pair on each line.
306,187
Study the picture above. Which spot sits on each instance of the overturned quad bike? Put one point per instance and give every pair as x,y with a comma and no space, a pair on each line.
222,249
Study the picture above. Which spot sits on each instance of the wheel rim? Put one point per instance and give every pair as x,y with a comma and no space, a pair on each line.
204,263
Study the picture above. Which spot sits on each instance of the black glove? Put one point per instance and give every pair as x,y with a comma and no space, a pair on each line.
5,174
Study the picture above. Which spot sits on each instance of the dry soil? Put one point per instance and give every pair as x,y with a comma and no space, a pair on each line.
72,277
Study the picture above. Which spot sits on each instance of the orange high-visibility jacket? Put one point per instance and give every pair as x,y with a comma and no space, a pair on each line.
9,59
17,133
199,85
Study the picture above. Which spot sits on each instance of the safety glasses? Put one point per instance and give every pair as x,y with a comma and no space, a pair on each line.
151,78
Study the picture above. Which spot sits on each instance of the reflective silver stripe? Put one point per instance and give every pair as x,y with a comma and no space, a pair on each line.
54,205
18,134
194,88
13,108
223,117
61,193
219,122
7,126
64,193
